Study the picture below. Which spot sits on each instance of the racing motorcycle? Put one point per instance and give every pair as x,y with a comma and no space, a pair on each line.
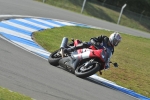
82,62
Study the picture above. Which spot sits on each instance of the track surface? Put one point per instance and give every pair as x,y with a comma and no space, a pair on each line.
26,73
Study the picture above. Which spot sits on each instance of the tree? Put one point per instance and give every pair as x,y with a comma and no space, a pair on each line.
138,6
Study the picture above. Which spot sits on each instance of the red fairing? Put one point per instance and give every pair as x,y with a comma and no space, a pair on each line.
92,47
76,42
98,54
79,51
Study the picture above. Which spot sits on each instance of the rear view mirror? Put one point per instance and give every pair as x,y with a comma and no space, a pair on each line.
115,64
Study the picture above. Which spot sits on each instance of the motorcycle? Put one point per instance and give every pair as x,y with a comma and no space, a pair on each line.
82,62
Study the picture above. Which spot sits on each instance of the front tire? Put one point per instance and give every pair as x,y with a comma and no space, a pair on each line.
84,71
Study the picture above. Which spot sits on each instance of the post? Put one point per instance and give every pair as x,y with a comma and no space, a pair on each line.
43,1
103,2
142,14
83,5
121,12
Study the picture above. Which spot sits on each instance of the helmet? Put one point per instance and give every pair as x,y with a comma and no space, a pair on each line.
115,38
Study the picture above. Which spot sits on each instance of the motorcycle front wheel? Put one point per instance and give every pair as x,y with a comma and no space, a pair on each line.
86,70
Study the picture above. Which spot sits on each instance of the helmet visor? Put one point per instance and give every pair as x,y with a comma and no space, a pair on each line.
116,42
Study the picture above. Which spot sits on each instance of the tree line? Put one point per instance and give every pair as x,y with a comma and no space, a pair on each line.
138,6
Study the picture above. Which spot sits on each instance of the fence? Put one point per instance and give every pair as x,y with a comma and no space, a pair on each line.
106,12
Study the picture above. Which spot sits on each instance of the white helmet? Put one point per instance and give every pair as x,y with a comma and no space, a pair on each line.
115,38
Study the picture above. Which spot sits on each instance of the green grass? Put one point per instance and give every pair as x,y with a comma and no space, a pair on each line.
132,55
102,12
6,94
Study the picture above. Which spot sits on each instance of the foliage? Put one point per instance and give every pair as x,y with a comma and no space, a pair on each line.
139,6
106,12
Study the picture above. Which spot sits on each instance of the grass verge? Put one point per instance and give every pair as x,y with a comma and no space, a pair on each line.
132,55
6,94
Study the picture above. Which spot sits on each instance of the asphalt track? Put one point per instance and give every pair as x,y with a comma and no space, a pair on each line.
28,74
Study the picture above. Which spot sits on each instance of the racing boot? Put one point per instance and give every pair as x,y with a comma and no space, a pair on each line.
79,46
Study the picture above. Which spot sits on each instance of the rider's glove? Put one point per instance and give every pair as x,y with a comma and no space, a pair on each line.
100,38
94,41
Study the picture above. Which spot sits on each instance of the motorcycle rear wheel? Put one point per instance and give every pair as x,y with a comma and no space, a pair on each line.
54,58
84,71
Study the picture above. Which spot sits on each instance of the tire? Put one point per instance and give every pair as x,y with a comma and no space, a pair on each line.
93,68
54,58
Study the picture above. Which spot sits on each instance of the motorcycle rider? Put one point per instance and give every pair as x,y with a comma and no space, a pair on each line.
101,42
108,43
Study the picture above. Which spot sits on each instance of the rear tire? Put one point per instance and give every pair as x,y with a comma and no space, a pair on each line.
54,58
83,71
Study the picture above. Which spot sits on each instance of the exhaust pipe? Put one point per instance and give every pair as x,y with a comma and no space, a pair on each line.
64,42
63,45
